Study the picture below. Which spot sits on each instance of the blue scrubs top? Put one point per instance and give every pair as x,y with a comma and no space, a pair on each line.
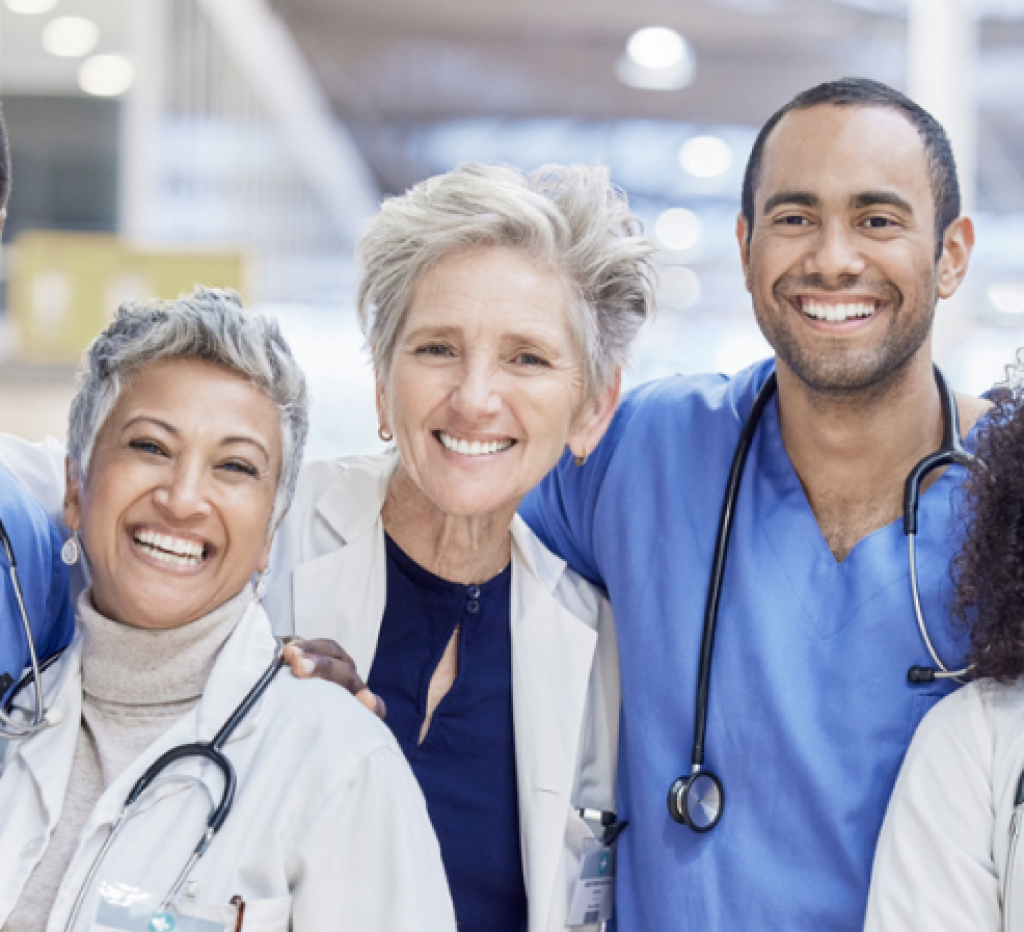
810,708
44,584
466,765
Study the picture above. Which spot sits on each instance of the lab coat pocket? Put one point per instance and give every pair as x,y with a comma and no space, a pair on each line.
271,914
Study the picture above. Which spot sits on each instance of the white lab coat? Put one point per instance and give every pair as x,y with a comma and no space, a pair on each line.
329,829
565,686
941,855
328,579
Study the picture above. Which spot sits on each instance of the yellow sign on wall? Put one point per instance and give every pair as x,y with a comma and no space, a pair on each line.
64,288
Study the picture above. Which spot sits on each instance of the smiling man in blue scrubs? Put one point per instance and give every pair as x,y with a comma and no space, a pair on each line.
36,546
850,232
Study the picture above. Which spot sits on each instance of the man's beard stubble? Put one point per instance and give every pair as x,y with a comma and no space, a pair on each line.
843,373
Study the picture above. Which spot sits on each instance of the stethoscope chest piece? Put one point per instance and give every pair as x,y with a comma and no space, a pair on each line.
696,800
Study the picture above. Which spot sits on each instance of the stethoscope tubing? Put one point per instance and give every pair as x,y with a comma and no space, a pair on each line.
8,727
714,596
951,451
211,751
941,672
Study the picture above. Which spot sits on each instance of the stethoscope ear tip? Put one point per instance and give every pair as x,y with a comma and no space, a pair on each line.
53,717
921,675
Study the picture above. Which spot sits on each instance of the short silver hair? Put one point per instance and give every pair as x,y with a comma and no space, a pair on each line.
206,324
570,218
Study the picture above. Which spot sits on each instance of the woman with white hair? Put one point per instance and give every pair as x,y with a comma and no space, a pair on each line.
169,791
499,308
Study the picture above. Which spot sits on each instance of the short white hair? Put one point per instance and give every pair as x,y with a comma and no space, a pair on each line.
206,324
570,218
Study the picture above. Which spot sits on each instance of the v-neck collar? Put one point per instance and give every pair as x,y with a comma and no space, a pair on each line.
832,593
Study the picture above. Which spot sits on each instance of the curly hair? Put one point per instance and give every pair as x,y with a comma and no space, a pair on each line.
989,569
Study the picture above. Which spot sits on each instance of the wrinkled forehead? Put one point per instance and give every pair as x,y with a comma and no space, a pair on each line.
838,152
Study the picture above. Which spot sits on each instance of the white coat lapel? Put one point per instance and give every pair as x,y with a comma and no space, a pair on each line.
243,660
552,654
341,594
48,755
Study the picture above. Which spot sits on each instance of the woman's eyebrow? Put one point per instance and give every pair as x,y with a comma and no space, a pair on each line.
432,331
173,431
252,441
145,418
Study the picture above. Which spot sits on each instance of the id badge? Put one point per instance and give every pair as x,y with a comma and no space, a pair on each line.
593,895
122,908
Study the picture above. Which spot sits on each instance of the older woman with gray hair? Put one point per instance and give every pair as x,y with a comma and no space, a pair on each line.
499,308
181,783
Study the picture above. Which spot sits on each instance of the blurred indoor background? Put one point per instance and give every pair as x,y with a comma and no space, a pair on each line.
161,143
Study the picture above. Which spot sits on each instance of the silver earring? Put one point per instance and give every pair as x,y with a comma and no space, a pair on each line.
70,552
261,585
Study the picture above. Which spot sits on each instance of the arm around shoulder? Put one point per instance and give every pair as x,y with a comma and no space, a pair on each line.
40,468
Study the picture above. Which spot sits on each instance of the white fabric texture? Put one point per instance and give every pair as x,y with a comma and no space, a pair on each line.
329,580
942,853
328,820
135,685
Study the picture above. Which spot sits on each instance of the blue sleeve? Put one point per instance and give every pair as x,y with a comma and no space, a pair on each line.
59,623
562,510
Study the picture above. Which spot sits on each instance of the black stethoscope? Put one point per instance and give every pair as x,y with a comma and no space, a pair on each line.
212,751
696,799
40,717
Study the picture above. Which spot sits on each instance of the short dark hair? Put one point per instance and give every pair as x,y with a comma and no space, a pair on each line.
5,165
863,92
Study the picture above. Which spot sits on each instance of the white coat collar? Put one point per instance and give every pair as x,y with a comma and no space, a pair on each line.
352,503
48,756
342,593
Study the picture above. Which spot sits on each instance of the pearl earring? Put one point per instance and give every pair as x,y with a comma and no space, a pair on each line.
70,552
261,585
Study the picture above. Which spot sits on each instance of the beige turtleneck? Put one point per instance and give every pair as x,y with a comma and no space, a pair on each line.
136,683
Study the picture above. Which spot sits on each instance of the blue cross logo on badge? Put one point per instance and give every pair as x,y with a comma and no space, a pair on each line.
161,922
604,864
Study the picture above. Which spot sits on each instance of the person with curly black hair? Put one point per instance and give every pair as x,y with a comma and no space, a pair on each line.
944,858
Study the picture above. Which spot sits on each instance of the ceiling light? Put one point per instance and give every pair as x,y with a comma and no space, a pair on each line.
70,36
656,47
657,58
30,6
106,75
705,156
678,228
1008,297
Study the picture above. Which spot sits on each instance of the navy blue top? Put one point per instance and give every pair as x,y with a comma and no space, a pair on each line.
44,584
466,766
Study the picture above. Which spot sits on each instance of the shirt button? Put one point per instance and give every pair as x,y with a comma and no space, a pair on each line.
473,592
472,606
32,849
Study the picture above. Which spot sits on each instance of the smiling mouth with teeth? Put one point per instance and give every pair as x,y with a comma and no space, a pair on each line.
836,312
473,447
171,550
